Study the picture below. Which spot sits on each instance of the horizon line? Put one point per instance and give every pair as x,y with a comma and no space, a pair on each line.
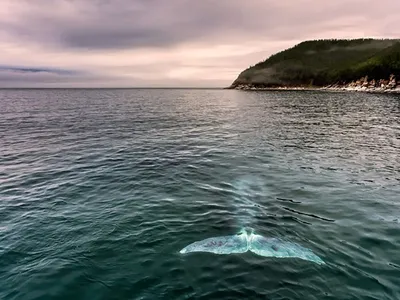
121,88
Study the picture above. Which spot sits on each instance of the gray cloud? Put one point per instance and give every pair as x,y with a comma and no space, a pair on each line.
81,33
28,70
127,24
159,23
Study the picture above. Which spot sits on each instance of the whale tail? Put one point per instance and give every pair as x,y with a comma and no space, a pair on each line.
273,247
220,245
243,242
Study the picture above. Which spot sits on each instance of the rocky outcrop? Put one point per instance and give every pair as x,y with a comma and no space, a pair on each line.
391,85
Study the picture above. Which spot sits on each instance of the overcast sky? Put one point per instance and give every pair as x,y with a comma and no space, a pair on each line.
130,43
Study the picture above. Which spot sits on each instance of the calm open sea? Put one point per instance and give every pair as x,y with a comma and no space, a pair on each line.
101,188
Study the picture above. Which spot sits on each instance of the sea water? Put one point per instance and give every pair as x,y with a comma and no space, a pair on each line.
100,189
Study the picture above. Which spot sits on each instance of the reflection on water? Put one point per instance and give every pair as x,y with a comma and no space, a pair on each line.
247,191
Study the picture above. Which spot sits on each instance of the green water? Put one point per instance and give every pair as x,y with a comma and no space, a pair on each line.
101,189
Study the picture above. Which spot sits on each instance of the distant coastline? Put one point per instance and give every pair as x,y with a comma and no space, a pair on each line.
325,89
390,86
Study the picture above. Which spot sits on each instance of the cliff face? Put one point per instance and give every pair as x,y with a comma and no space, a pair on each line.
325,62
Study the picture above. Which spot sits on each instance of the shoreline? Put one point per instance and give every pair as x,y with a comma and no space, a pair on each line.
382,86
323,89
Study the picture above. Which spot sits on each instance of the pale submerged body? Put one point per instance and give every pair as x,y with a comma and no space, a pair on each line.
243,242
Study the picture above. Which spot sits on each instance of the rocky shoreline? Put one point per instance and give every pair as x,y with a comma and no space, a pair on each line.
390,86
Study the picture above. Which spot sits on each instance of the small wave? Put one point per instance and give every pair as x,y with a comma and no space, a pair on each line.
307,214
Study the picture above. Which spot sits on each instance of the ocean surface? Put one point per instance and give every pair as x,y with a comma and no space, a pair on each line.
100,189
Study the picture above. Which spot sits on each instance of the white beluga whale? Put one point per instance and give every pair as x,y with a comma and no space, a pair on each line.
244,241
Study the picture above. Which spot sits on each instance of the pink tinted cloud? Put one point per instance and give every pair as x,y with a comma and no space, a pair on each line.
185,42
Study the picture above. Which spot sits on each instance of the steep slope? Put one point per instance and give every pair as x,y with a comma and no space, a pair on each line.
324,62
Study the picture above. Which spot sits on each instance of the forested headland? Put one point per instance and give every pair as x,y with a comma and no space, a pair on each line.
321,63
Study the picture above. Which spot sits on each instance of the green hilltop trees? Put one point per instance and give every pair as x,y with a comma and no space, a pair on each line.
324,62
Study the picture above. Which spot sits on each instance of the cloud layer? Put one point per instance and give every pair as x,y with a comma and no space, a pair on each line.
168,43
